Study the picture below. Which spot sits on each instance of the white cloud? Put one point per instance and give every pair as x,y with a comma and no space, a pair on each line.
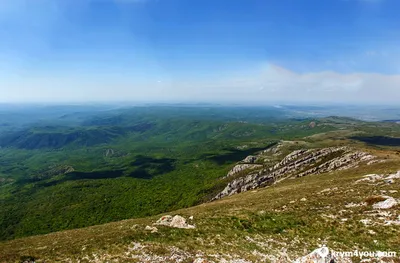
268,84
279,84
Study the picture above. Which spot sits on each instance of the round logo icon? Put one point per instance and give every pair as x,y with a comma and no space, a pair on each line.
323,252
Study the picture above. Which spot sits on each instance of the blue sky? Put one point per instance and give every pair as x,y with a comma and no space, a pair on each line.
200,50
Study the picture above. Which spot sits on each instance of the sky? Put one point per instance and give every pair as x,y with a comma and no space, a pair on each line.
250,51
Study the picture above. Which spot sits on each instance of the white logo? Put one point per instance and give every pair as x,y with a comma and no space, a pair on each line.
323,252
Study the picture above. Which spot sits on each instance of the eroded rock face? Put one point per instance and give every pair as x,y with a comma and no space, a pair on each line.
241,167
250,159
247,163
347,161
244,184
296,164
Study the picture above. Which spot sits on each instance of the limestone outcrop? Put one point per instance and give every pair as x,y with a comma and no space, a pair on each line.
296,164
174,221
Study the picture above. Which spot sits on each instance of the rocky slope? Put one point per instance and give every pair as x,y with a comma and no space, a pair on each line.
298,163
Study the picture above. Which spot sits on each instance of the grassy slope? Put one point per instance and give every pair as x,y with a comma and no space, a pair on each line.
264,221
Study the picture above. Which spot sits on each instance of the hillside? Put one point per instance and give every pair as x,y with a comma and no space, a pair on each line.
277,222
57,177
86,169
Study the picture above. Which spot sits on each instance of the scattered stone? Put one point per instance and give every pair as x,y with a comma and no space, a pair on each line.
383,214
387,204
200,260
376,161
367,158
395,222
176,222
180,222
351,205
153,229
164,221
389,181
325,190
329,216
303,199
370,178
394,176
28,259
250,159
383,218
329,190
366,221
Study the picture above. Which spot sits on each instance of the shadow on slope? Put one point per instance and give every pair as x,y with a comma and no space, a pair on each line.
234,155
148,167
378,140
143,167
